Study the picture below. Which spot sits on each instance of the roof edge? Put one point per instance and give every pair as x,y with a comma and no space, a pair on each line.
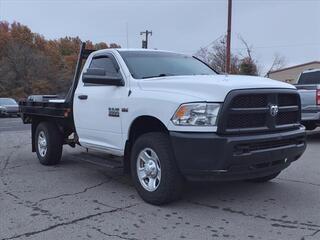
295,66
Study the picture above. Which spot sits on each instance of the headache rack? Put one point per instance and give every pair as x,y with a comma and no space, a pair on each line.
50,105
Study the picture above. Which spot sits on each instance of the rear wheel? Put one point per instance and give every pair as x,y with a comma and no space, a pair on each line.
264,179
48,142
154,170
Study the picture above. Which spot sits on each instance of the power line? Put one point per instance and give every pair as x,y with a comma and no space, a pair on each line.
261,47
210,1
282,46
127,34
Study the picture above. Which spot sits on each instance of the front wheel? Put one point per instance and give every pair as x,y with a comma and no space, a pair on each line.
264,179
154,169
48,142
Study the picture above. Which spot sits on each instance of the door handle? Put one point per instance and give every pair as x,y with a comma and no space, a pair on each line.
83,97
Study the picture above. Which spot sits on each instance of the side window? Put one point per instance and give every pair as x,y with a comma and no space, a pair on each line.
105,63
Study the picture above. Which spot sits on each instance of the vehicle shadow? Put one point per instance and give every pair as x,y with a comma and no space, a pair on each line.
217,195
227,189
313,136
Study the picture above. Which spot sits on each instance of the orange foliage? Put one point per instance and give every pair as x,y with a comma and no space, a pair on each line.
31,64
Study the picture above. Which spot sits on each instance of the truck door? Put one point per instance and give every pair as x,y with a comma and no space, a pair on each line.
97,109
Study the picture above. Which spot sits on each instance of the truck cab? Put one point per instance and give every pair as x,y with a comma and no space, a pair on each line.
308,85
171,118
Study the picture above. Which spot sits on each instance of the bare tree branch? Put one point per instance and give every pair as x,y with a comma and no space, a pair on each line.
277,63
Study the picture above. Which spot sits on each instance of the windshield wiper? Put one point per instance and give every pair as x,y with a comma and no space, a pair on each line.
160,75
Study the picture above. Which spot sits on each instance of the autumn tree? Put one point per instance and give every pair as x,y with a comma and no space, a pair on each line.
31,64
247,66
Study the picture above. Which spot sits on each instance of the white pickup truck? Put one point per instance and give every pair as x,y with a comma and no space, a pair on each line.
172,118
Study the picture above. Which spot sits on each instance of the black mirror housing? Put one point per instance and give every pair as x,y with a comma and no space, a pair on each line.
98,76
95,71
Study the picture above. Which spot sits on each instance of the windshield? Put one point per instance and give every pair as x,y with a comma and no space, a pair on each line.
310,78
144,64
7,101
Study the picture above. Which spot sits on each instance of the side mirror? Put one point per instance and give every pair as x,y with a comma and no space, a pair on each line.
98,76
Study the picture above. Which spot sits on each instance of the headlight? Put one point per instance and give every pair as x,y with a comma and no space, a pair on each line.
196,114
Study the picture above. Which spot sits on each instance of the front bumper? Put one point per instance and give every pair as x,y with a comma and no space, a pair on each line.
6,113
209,156
311,115
3,113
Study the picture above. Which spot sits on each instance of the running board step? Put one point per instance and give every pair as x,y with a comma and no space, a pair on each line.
101,159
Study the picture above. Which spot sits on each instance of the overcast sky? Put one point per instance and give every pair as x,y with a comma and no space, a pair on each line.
288,27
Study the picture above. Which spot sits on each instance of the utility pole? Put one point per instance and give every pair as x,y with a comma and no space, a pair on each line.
127,33
228,50
145,42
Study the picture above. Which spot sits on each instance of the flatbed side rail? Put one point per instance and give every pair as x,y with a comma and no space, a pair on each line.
28,111
43,104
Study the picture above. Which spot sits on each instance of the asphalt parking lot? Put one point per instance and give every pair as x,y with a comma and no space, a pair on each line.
80,200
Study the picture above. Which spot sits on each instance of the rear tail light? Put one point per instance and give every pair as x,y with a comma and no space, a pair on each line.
318,96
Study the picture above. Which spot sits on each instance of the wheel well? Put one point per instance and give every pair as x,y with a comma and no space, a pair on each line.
145,124
140,126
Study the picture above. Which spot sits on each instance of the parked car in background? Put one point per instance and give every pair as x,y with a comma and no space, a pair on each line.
8,107
308,86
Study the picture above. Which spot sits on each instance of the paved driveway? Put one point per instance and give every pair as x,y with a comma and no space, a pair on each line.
79,200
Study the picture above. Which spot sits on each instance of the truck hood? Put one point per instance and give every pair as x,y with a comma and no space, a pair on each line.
209,88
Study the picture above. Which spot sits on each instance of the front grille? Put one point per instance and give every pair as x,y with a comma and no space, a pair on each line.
252,101
12,109
267,164
256,146
287,118
243,121
288,100
252,110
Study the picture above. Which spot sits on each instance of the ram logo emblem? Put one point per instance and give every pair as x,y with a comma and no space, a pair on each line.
274,109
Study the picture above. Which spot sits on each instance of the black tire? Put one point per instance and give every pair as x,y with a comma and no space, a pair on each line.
310,126
171,184
54,142
264,179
